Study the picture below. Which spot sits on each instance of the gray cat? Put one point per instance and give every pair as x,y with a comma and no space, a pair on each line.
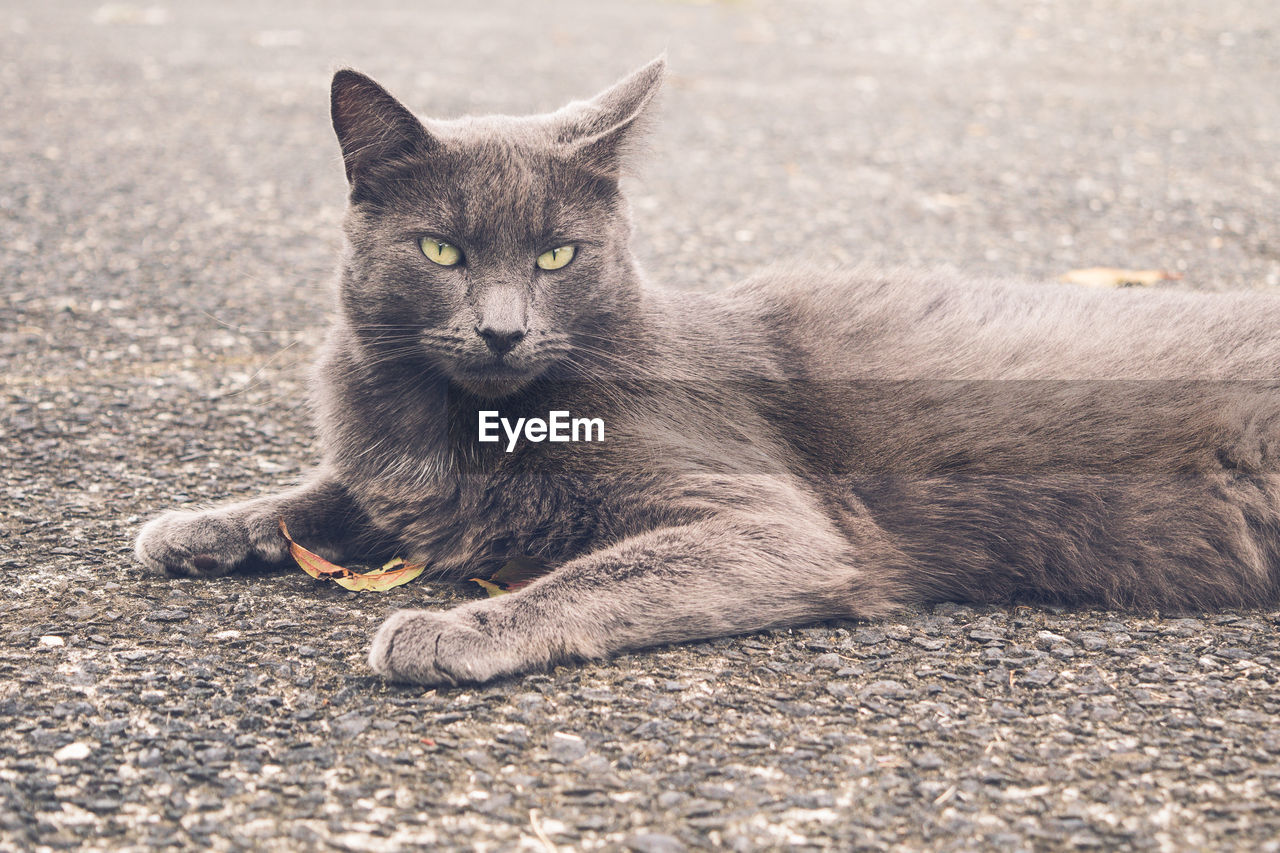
804,446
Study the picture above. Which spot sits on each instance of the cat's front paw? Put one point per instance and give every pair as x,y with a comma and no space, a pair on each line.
426,647
200,544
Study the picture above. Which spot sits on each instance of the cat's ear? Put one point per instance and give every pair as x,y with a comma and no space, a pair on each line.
373,128
599,132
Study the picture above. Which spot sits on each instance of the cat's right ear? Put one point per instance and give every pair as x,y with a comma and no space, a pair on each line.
600,132
373,128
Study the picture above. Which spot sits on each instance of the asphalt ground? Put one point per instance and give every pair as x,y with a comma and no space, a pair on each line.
170,194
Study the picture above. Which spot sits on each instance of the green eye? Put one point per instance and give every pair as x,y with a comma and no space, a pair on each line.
444,254
554,259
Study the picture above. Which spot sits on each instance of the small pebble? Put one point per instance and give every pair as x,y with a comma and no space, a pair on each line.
654,842
566,748
72,752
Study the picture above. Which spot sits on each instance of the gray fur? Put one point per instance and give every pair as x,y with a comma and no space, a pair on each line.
803,446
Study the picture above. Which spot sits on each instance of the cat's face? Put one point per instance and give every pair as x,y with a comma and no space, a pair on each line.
488,249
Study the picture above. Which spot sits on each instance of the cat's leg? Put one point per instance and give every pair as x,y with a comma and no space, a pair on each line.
208,543
729,574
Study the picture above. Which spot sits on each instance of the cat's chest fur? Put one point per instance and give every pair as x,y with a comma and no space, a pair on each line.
474,521
410,457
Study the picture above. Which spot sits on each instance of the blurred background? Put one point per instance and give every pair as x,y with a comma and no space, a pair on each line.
184,148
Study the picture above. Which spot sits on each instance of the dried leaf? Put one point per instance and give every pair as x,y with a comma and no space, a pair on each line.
520,572
492,588
393,574
381,579
1114,277
516,573
311,563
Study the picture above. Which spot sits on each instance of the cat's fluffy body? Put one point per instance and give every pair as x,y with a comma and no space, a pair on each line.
802,446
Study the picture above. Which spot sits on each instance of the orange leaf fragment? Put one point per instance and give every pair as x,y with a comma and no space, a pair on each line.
492,588
516,573
1115,277
311,563
391,575
519,572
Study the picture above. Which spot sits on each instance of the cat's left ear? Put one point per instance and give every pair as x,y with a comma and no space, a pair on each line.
599,132
373,128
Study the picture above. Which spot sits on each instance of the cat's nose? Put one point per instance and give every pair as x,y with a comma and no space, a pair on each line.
500,341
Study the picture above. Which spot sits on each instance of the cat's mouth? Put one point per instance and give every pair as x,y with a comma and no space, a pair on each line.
492,378
484,372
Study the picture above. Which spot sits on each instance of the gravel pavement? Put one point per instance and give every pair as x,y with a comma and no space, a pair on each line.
170,194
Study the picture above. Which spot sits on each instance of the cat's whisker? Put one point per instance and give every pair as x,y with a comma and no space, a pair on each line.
249,330
262,368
